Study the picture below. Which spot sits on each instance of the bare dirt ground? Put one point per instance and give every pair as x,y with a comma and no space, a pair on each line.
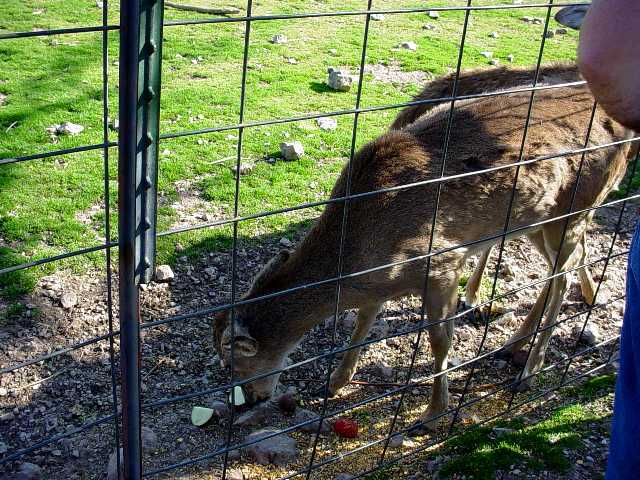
60,395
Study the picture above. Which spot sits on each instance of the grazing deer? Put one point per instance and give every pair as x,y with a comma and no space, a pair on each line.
395,226
477,81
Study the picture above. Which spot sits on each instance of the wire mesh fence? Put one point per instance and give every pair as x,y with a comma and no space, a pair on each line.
442,150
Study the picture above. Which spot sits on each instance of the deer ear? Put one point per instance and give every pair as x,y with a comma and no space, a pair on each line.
269,269
572,17
243,343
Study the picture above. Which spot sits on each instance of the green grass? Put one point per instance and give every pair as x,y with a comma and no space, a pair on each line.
480,452
49,80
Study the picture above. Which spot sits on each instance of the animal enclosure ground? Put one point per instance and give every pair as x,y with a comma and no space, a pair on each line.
54,205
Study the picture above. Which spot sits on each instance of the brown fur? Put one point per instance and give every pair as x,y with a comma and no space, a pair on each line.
396,226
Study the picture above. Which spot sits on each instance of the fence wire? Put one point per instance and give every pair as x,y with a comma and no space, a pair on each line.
128,404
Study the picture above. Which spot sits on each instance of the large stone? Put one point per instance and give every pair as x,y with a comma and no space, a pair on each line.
590,336
164,273
291,150
433,14
339,80
279,450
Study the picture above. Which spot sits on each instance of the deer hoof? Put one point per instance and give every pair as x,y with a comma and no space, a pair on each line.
420,428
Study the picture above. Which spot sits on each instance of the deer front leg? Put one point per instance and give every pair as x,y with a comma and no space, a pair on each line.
587,285
347,368
473,284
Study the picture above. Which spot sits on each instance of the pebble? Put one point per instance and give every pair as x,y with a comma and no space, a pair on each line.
164,273
396,441
327,123
68,300
433,14
378,17
66,128
303,415
291,150
590,336
244,168
339,80
409,46
279,39
285,242
3,393
279,450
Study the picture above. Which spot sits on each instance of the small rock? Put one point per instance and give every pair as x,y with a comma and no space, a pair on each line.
112,467
285,242
258,415
561,31
339,80
455,362
68,300
428,26
149,439
235,473
29,471
211,272
495,62
499,432
377,17
279,450
409,46
244,168
494,35
590,336
50,423
220,409
510,58
114,125
99,4
303,415
333,51
291,150
66,128
549,34
433,14
327,123
385,371
279,39
349,320
3,392
396,441
3,99
164,273
487,54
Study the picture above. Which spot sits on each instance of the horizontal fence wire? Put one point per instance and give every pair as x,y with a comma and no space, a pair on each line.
399,390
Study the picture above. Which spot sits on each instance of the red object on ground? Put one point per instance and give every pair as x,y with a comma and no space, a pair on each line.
345,427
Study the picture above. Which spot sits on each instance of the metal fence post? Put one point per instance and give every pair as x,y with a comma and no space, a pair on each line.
139,103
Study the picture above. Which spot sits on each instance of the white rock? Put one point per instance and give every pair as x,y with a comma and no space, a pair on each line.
29,471
396,441
164,273
68,300
279,450
285,242
591,334
409,46
487,54
428,26
3,392
291,150
327,123
67,128
494,35
279,38
244,168
433,14
339,80
510,58
378,17
495,62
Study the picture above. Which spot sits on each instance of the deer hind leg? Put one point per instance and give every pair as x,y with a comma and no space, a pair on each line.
570,255
473,284
347,368
440,304
587,285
